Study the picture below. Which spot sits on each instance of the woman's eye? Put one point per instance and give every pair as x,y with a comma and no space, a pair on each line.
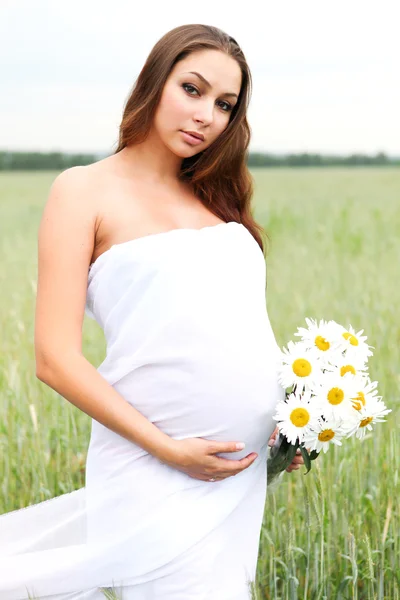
228,106
189,85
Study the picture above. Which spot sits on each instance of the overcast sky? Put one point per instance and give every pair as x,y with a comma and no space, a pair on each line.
326,74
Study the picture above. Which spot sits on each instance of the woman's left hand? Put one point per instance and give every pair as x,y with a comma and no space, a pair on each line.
296,463
297,460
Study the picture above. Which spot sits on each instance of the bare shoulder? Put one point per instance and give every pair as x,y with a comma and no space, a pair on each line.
66,240
68,189
80,189
89,179
80,180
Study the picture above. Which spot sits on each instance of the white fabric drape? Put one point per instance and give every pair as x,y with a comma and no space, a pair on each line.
190,345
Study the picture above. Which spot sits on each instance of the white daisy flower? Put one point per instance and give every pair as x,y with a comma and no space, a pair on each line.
335,393
353,343
299,366
326,433
341,365
354,351
366,390
322,338
296,416
373,412
329,360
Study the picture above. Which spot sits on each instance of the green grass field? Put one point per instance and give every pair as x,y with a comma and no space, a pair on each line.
334,254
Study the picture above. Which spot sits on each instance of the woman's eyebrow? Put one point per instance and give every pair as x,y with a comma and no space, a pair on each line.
208,84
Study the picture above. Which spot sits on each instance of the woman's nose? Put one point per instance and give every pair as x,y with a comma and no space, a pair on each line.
204,113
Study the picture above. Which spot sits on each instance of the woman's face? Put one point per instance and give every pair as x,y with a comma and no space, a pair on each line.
188,103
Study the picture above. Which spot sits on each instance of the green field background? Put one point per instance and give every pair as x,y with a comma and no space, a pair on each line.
334,253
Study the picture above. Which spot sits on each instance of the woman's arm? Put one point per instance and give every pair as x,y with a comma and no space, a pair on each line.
75,378
65,247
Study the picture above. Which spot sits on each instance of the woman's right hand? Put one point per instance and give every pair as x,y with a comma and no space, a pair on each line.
196,457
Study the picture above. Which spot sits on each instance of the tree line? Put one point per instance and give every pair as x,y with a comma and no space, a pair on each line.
35,161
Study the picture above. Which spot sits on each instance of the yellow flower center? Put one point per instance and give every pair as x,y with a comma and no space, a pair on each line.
301,367
299,417
326,435
352,338
365,421
347,369
335,396
322,343
358,401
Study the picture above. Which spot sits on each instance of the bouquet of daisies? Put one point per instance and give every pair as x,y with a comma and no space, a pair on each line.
329,395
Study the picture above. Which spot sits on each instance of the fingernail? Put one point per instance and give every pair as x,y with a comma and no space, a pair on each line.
240,446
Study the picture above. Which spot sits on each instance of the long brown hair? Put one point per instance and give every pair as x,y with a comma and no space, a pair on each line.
218,175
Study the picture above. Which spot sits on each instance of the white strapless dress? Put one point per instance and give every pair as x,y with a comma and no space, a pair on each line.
190,345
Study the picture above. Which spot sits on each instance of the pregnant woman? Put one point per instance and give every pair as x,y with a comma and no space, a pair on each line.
157,244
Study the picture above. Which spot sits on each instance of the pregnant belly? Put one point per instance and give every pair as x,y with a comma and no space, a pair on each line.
227,394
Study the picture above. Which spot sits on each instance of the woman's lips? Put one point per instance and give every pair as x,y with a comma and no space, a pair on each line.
191,139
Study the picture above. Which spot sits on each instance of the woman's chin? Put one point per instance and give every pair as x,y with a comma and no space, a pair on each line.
184,152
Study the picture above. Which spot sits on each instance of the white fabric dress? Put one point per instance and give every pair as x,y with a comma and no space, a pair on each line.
190,345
